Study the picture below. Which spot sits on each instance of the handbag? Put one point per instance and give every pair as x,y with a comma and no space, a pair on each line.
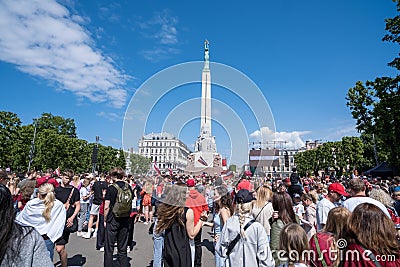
70,211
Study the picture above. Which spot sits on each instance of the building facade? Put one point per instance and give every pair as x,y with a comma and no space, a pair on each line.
271,162
167,151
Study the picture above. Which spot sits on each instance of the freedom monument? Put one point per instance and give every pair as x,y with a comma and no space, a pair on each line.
205,158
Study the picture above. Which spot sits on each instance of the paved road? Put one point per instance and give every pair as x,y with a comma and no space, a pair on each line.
82,252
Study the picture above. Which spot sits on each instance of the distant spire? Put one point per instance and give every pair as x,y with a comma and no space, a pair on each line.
206,56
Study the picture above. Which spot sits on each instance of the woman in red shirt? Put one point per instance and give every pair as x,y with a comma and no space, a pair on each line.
372,239
324,244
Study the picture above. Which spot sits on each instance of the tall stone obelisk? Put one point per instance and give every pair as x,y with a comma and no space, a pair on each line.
205,159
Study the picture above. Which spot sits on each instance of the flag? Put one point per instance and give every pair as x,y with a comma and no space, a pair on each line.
227,175
223,162
202,161
170,172
57,171
156,168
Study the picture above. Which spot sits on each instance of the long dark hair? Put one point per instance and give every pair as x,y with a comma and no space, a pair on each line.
226,200
282,203
11,233
172,207
370,227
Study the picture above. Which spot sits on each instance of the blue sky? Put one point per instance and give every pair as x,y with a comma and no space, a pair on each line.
86,60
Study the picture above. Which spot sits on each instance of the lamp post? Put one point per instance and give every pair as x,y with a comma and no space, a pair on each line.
32,149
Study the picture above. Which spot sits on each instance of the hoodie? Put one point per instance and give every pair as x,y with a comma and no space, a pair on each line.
197,203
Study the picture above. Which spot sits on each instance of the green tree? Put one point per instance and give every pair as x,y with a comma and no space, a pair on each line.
140,165
375,105
9,131
109,157
63,126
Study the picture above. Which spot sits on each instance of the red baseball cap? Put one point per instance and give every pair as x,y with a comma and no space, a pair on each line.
190,182
338,188
45,179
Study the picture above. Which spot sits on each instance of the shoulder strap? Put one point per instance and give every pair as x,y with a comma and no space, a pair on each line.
233,243
67,204
320,256
260,211
116,186
372,257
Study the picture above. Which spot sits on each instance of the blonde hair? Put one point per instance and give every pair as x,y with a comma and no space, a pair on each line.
264,194
148,187
46,192
241,210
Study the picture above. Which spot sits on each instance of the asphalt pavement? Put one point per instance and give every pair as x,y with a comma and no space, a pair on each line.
82,252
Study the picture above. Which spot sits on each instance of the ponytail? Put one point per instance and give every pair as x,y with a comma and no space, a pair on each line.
47,191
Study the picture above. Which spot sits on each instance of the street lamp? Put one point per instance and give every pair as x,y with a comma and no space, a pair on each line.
32,150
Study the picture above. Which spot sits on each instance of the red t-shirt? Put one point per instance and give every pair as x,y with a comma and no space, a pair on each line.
197,203
244,184
365,261
325,242
23,201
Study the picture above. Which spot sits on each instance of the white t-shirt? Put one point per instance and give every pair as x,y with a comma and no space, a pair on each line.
84,192
299,210
353,202
323,208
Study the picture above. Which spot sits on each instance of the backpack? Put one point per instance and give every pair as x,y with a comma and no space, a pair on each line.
123,202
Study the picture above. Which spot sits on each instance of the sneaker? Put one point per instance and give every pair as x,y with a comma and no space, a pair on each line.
128,249
86,235
95,234
79,233
146,223
102,249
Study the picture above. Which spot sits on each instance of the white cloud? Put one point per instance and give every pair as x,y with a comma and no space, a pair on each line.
161,28
43,39
109,115
159,53
293,138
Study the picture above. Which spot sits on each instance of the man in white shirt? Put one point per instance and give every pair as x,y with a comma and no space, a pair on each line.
335,193
357,190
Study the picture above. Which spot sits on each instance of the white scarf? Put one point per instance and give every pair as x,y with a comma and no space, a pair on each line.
32,215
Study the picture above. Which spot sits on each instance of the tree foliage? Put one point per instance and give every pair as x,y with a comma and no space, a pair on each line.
375,105
140,165
9,131
55,145
341,157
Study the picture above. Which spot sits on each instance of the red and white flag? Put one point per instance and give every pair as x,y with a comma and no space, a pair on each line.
202,161
57,171
156,168
227,174
170,172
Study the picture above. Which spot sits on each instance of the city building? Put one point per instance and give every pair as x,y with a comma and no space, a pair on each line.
165,150
272,162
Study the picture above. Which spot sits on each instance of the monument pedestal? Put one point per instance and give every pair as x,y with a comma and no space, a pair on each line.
204,162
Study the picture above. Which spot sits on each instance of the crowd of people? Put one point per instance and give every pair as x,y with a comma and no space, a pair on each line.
255,221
